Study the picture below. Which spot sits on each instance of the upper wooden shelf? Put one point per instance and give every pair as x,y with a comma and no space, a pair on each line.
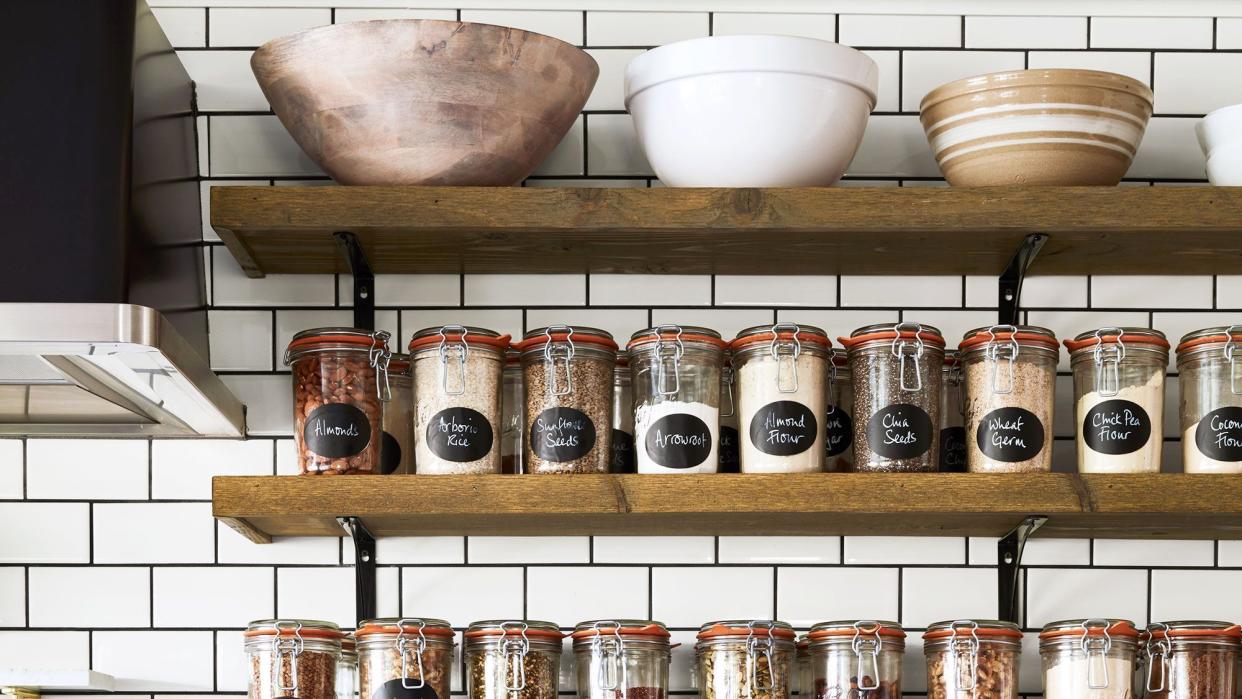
1176,506
879,230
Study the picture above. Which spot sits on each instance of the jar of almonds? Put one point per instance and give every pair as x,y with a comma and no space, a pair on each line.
513,659
399,658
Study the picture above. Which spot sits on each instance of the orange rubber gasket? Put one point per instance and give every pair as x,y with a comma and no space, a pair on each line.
1073,345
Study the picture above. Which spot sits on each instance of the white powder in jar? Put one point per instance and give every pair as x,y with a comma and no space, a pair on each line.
1068,678
458,430
791,427
677,437
1120,423
1193,458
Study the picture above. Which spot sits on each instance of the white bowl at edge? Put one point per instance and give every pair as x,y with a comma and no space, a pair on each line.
1220,127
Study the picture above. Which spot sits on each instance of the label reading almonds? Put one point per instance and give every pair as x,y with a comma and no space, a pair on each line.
783,428
1116,427
336,431
679,440
1010,435
459,434
397,689
900,431
838,431
562,434
1219,434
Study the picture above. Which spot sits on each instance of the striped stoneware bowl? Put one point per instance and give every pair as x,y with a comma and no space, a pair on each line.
1043,127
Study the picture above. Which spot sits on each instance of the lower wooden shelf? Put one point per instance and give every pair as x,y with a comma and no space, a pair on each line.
1170,506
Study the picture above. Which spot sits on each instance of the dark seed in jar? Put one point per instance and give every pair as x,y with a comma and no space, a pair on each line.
326,380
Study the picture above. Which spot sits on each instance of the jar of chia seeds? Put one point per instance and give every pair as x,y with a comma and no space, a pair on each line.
730,446
897,372
621,659
1211,400
838,426
623,458
457,380
1011,380
952,416
292,658
513,659
568,374
972,658
857,659
745,659
676,377
347,669
400,658
340,383
1190,659
397,447
1092,658
1119,398
512,410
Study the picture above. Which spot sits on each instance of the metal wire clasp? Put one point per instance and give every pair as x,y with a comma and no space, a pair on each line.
378,356
1096,649
1235,375
608,654
906,351
1162,648
966,654
668,354
287,648
756,645
564,352
786,355
1108,360
420,644
727,384
514,651
868,652
460,351
996,350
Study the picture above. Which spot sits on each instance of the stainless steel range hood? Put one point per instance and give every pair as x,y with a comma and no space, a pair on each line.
105,369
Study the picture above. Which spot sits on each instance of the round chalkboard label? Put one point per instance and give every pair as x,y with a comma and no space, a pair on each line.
838,431
1219,434
729,454
623,452
390,454
900,431
783,428
953,450
336,430
396,689
1116,427
459,434
1010,435
562,434
679,440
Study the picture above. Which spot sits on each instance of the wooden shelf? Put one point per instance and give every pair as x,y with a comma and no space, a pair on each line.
880,230
1175,506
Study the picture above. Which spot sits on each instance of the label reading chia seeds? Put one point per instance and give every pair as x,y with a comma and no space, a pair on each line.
1219,434
783,428
838,431
336,430
390,454
953,450
459,434
396,689
623,452
900,431
1116,427
1010,435
562,434
729,454
679,440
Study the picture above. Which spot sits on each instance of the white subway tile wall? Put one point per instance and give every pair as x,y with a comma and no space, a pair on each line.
109,556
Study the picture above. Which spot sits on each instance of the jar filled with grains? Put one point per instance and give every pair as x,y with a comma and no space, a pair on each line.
513,660
340,381
1190,659
1119,398
397,447
729,448
952,415
745,659
677,379
857,659
838,425
1011,380
512,409
347,669
897,372
781,372
1211,400
400,658
292,658
623,417
568,373
621,659
1092,658
457,379
972,658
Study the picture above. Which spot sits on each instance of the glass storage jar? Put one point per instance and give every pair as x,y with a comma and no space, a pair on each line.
1011,380
397,447
972,658
513,660
676,373
729,454
1190,660
1119,398
457,380
1088,659
897,371
857,659
1211,400
512,407
623,417
745,659
952,415
621,659
781,373
400,658
568,373
838,427
292,658
347,669
340,381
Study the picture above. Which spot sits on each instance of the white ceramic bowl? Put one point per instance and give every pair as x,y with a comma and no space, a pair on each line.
1224,165
750,111
1219,128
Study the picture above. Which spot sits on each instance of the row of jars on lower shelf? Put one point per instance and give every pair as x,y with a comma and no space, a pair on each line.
756,659
776,399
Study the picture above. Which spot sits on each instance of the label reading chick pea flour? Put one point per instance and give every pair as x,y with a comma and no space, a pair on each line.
1116,427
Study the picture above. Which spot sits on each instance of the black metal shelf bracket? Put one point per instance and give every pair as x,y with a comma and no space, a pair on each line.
364,567
364,279
1008,564
1010,291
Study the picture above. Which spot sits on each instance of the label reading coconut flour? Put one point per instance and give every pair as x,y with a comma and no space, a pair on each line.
679,440
730,454
900,431
783,428
459,434
336,430
390,454
562,434
953,450
396,689
838,431
1010,435
1219,434
1116,427
623,452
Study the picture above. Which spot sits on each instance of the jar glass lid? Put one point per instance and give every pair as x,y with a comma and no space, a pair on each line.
894,331
986,628
304,628
742,628
1193,629
643,628
568,334
437,335
1221,334
399,364
410,626
852,627
348,339
758,334
1023,335
676,333
514,627
1150,339
1077,628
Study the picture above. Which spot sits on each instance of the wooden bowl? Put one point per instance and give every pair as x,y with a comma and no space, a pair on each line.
425,102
